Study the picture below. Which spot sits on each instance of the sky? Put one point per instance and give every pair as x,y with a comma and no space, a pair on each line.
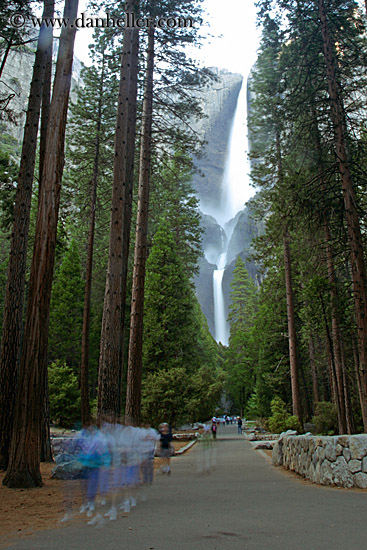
232,22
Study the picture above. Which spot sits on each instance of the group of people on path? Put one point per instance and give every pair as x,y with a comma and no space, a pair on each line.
225,420
112,462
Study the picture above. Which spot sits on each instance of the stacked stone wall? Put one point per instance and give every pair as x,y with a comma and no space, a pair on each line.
336,460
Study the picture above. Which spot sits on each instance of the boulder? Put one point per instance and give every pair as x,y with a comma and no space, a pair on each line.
277,454
288,433
330,449
360,480
326,473
342,477
68,470
355,466
347,454
267,445
358,446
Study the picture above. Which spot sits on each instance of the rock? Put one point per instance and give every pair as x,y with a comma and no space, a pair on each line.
354,466
358,446
288,433
339,450
68,470
63,457
267,445
347,454
360,480
317,473
330,449
320,452
277,454
341,476
326,473
364,465
251,437
343,440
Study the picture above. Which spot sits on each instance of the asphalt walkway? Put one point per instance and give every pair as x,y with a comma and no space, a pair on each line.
245,503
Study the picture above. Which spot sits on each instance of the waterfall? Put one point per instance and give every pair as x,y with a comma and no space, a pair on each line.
235,192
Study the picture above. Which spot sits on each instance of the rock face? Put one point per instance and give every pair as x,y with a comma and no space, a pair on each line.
337,460
218,101
16,78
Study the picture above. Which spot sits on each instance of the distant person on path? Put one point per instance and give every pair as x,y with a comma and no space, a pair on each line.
239,425
166,447
214,429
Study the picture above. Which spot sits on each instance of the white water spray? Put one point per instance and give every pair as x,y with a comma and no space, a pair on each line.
235,192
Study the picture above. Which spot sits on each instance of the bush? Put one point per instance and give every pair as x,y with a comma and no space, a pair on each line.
64,395
281,420
326,418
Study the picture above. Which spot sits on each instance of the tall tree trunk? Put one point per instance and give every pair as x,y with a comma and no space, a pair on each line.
344,425
24,457
110,361
296,402
46,453
315,384
84,366
130,160
14,293
350,204
46,96
335,395
343,428
135,358
292,339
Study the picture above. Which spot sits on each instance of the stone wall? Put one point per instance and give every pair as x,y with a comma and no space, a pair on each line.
336,460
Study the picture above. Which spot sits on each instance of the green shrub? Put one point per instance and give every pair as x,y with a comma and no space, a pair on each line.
281,420
64,395
326,418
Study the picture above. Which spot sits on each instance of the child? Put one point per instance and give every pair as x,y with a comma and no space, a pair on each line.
166,447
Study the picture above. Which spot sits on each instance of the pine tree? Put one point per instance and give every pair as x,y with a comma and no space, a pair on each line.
168,332
110,364
66,311
241,317
14,297
24,456
135,355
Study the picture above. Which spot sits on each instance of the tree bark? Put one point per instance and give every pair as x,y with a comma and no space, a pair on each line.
350,204
135,357
130,160
24,457
336,336
110,361
14,293
46,96
84,366
46,453
296,402
315,385
292,339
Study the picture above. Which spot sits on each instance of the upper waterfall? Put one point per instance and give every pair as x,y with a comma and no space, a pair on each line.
235,188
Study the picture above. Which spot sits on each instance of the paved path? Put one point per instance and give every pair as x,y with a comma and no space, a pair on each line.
245,503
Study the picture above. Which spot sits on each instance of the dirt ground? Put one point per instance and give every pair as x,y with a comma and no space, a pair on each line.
24,511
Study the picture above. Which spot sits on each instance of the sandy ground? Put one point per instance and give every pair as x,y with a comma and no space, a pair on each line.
24,511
